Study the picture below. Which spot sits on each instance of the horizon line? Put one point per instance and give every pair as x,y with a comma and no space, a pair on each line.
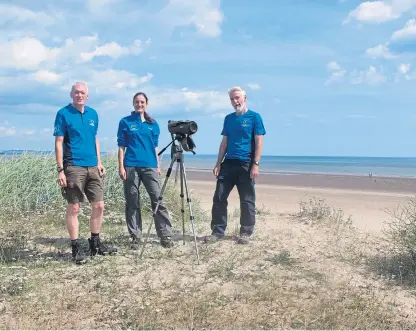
2,151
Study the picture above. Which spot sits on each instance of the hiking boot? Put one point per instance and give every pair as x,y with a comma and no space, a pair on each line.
77,255
211,238
97,247
166,242
243,239
134,245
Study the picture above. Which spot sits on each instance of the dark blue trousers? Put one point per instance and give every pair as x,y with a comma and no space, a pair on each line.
234,173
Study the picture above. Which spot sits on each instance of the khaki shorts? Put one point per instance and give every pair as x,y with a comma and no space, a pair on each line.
82,180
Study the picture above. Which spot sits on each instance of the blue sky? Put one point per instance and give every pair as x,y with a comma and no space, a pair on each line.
329,77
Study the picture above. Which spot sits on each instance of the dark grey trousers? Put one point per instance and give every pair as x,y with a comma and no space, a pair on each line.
150,179
234,173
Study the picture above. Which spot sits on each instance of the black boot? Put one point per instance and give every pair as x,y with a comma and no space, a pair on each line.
166,242
77,255
97,247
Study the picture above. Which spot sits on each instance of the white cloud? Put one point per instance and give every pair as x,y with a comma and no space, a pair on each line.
204,15
372,12
207,101
30,53
114,50
371,76
108,80
404,68
26,53
4,131
379,51
12,14
337,75
408,32
27,132
254,86
403,71
45,76
333,66
46,131
380,11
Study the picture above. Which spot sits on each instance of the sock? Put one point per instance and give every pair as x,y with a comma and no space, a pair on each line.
95,235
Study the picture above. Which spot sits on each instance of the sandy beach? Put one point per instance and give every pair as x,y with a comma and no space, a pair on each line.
366,199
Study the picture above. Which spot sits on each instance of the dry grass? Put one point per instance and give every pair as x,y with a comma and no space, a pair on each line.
305,271
271,283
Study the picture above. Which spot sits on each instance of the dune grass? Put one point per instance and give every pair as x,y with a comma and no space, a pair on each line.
295,274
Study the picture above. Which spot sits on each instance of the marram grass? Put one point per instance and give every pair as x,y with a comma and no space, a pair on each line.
28,185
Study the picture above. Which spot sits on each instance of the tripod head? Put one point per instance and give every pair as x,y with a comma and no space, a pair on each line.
182,142
181,132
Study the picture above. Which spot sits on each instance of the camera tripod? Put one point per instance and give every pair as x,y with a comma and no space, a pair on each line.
178,157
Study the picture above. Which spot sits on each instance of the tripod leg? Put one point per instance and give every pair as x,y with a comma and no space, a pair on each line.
176,174
191,215
182,199
158,204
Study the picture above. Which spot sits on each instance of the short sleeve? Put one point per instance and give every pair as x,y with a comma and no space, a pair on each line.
156,134
225,127
60,125
259,126
121,135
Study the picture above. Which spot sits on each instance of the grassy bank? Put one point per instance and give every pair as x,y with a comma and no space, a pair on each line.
311,270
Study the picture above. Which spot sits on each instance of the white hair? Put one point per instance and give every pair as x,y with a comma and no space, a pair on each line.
236,89
80,83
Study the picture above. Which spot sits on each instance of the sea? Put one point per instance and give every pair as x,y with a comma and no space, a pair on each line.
337,165
289,165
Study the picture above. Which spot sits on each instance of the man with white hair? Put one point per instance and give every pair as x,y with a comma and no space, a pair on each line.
79,168
237,165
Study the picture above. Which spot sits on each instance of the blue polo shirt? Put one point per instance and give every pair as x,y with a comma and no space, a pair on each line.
140,139
240,131
79,131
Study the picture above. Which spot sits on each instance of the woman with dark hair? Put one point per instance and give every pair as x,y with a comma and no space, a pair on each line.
137,139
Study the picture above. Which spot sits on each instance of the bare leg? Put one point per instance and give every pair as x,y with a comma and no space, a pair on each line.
72,211
96,216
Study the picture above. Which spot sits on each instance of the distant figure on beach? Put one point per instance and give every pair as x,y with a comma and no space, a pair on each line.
138,139
241,146
79,167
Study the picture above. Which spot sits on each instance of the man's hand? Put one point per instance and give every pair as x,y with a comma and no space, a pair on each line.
254,173
101,170
62,179
217,169
122,173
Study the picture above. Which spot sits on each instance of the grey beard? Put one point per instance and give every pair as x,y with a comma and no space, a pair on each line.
240,109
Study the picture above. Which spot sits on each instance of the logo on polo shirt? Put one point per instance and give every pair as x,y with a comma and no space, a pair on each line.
92,123
133,127
244,123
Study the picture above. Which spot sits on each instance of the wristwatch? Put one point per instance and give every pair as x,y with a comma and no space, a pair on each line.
59,169
257,163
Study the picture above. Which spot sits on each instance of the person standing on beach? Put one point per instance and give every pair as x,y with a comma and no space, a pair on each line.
138,139
80,171
241,145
